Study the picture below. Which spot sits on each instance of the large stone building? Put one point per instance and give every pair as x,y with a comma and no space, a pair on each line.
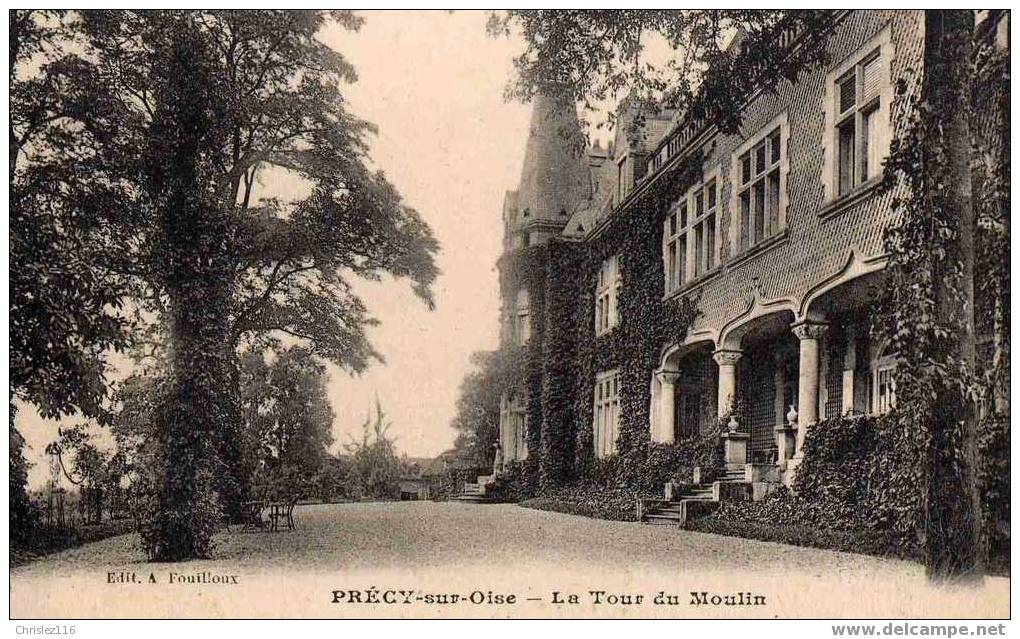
776,238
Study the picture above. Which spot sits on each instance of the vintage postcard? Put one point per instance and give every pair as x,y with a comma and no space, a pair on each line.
510,314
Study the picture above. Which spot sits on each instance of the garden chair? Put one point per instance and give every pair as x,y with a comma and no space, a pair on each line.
282,511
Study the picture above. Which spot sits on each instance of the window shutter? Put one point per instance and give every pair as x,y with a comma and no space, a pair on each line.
872,79
847,94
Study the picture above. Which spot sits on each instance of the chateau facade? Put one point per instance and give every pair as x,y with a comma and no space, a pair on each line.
773,236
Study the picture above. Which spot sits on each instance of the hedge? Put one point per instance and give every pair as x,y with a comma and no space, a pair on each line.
858,490
617,504
46,540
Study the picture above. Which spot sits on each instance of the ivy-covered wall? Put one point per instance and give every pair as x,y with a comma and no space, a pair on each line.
526,268
563,355
559,365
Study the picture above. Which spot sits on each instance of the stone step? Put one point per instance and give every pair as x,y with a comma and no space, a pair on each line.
671,506
661,520
659,511
674,508
473,499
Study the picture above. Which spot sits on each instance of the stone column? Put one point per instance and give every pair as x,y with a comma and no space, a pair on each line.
727,360
809,333
849,366
785,430
667,406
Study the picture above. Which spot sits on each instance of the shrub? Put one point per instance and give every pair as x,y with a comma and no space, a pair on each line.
860,472
510,486
46,540
993,477
24,517
676,463
860,541
787,518
616,504
611,486
860,479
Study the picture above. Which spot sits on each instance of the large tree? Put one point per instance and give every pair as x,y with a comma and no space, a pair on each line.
660,57
178,117
600,56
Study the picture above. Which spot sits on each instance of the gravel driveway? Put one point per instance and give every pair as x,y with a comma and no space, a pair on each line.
429,534
537,551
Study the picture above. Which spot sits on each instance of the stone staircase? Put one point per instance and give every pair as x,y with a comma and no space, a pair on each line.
474,493
684,502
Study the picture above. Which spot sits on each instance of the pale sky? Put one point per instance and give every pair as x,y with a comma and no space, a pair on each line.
433,84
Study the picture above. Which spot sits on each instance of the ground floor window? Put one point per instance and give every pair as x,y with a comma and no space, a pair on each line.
884,383
607,412
859,375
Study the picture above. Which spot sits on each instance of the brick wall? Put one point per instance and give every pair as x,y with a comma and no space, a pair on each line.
815,247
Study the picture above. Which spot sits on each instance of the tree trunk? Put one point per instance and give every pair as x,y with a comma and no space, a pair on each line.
194,260
952,517
235,484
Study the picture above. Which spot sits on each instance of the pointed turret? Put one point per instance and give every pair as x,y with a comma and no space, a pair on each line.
555,177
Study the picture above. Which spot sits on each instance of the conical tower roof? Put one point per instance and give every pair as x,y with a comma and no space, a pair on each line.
554,178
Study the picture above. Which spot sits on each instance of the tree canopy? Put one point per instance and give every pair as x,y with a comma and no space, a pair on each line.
278,110
660,57
67,288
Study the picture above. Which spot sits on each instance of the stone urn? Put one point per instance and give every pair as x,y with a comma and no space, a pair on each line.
732,425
